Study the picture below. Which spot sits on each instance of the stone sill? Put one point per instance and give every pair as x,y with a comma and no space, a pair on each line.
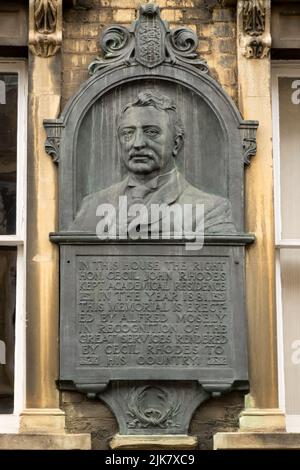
256,440
45,441
153,442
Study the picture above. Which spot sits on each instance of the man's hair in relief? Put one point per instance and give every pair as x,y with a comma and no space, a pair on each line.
160,102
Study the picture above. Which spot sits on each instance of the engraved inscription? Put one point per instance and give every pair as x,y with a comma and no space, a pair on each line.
153,312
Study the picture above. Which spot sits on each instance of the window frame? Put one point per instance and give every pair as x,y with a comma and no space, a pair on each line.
9,423
281,69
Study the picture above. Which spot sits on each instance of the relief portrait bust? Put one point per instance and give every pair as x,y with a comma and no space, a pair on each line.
151,135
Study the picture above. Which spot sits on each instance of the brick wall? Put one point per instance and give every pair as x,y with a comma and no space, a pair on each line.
215,27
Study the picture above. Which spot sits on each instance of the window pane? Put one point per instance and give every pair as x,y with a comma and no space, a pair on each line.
290,278
8,258
289,112
8,151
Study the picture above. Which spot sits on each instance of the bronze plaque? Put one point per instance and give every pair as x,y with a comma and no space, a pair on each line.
152,310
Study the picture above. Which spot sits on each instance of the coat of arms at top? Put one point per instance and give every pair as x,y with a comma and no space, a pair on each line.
148,41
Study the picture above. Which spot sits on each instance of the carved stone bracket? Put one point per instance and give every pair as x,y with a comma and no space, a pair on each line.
254,21
53,131
145,408
257,49
254,27
149,42
45,27
249,129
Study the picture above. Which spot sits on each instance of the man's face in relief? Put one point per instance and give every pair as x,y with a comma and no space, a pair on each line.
146,136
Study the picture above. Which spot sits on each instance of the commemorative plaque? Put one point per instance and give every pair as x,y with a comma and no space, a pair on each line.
142,309
151,155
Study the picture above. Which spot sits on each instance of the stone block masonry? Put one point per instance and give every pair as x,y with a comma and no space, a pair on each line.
215,27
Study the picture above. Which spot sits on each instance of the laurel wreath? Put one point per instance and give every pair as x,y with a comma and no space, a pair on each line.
155,417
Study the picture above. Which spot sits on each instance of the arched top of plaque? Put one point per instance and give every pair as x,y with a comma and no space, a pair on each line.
149,55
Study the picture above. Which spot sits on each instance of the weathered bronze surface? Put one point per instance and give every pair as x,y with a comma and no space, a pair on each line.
151,135
148,325
149,310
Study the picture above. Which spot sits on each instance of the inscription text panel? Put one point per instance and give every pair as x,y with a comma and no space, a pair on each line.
137,311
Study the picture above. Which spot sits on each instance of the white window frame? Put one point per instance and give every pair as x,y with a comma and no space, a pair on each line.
9,423
281,69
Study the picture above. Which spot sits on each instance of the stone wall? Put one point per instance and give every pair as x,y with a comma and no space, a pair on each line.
92,416
216,29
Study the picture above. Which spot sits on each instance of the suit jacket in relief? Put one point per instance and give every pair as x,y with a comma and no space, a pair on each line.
176,190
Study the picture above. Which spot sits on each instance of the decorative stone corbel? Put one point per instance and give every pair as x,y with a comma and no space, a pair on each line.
254,27
52,144
248,129
45,27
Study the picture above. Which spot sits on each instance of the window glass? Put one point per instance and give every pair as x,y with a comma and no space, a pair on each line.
290,278
289,151
7,327
13,146
8,151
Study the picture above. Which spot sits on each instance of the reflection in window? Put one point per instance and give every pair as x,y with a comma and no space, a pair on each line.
289,112
8,151
7,327
289,147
